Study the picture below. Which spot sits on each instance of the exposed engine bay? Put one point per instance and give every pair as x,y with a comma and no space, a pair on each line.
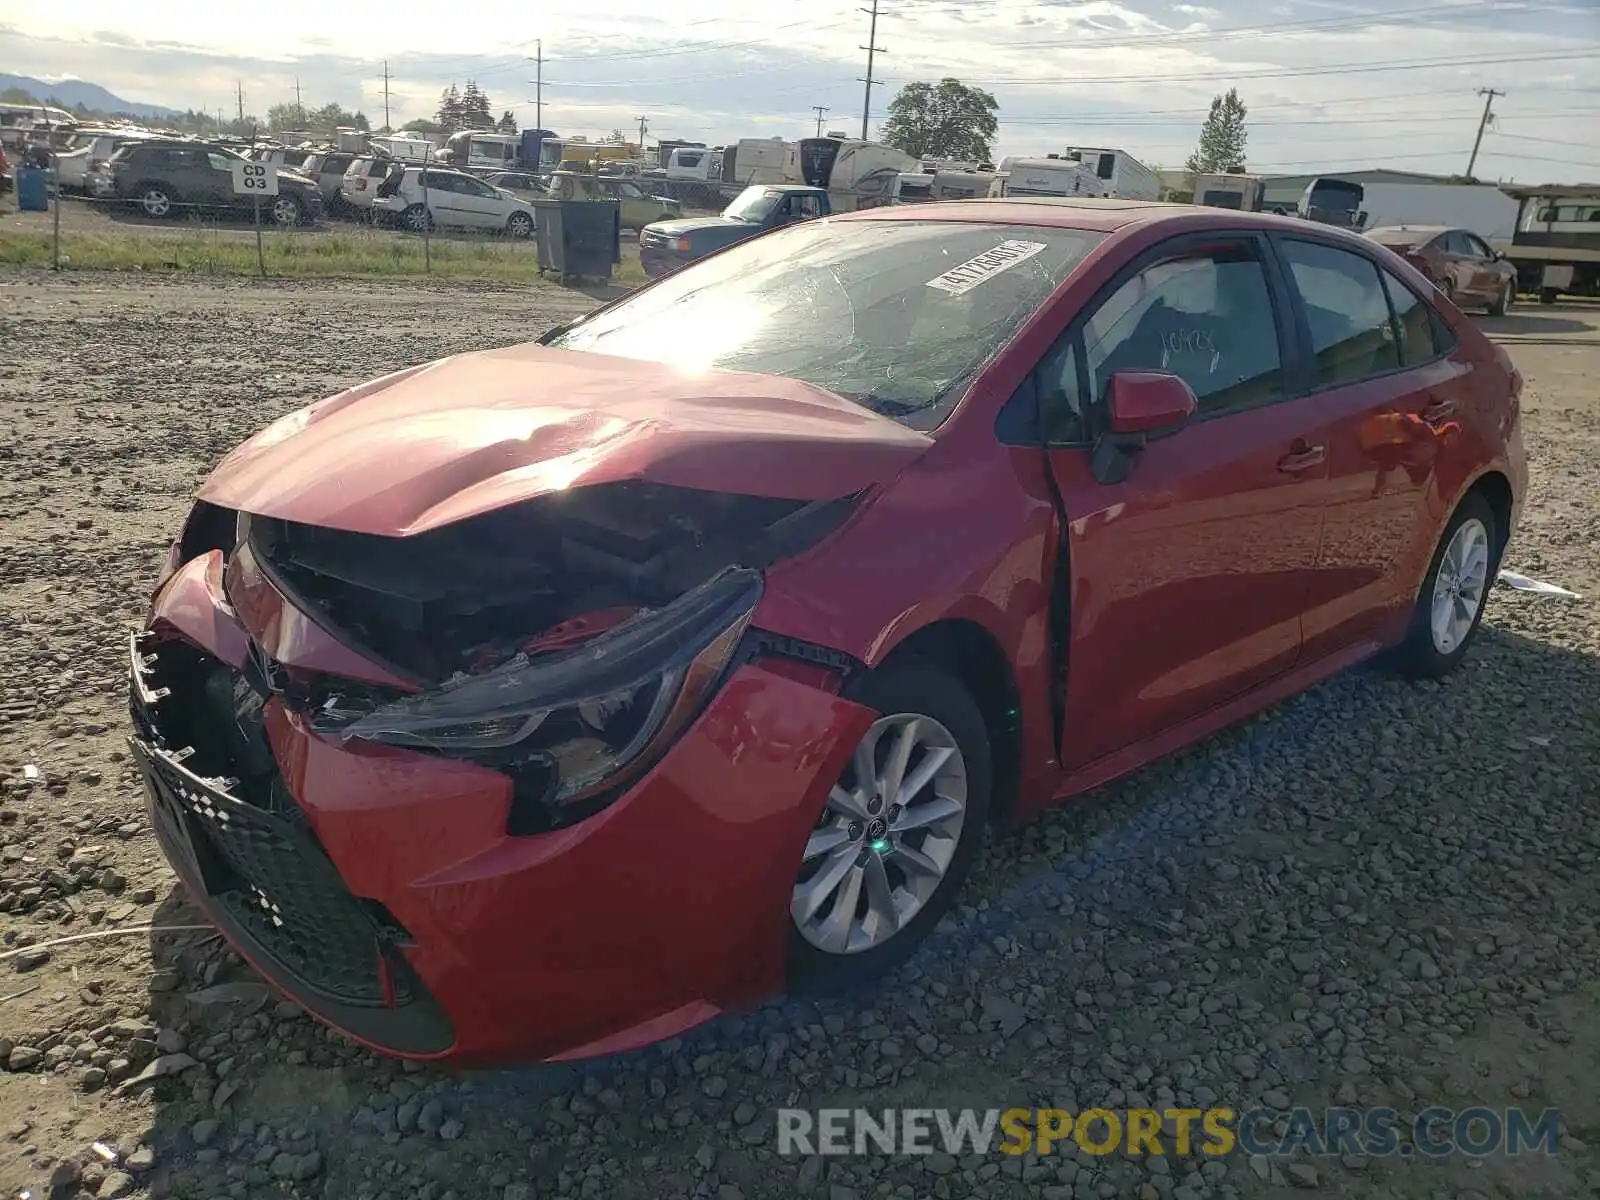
532,578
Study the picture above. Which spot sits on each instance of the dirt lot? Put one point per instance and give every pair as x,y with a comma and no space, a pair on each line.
1377,893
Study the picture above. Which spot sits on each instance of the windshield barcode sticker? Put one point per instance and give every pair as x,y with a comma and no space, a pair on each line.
988,264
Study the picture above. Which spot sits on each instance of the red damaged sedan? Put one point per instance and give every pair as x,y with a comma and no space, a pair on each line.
545,702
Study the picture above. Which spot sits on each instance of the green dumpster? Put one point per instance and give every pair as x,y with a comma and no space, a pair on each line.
579,239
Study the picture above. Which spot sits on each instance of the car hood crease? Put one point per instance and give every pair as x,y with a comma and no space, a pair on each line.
432,445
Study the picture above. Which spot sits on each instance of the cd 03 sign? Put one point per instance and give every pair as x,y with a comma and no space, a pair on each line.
254,179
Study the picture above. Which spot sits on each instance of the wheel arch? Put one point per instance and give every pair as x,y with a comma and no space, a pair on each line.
973,655
1495,488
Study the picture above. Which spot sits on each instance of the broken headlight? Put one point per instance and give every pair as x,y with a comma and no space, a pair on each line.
594,716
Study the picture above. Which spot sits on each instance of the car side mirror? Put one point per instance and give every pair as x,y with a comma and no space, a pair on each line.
1142,402
1140,405
1361,220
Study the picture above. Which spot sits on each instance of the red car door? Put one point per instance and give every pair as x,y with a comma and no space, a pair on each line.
1189,576
1389,395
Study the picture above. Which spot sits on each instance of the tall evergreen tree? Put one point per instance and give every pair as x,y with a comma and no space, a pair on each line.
1222,138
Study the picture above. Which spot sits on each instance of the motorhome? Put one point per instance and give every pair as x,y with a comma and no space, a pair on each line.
917,187
770,161
855,173
1052,175
1556,244
1124,175
694,162
406,149
1243,193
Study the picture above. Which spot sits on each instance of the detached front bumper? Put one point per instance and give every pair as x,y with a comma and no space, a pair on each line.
379,887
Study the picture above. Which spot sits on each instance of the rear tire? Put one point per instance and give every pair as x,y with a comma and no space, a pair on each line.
519,225
1549,295
1454,593
417,219
922,853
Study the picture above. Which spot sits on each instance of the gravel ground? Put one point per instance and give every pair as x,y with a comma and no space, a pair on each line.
1376,893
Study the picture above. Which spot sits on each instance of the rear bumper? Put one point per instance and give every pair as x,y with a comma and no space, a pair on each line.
443,936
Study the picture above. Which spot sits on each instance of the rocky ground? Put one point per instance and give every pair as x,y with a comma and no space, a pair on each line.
1376,893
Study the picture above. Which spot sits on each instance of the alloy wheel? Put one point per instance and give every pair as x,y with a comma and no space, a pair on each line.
156,203
285,210
885,840
1460,585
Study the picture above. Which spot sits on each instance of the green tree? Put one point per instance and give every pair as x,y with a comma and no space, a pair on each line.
507,122
449,113
422,125
1222,138
16,95
475,111
943,120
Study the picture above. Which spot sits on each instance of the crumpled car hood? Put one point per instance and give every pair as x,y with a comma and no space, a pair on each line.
447,440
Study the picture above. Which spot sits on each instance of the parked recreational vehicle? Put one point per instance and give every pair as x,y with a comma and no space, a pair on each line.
769,161
916,187
1240,192
1124,176
856,174
1050,176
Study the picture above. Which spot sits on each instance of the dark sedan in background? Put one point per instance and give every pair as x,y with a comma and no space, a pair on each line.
1456,261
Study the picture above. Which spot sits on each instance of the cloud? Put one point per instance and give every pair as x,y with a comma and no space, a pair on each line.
1327,86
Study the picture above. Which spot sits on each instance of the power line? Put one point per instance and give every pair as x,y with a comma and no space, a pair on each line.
820,110
1426,64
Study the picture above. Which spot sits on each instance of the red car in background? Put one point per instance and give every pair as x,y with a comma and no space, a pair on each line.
1456,261
546,701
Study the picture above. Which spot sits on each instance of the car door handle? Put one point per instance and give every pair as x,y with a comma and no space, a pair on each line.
1302,459
1439,410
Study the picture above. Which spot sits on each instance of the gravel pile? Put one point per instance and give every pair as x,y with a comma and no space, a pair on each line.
1378,893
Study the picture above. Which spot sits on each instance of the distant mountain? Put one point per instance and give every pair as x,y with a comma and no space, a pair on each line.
68,93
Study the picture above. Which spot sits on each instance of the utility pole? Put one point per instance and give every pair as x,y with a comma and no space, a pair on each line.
819,109
1488,95
386,95
872,48
299,108
538,84
643,124
238,88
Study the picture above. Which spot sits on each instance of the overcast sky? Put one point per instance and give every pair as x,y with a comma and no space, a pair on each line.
1328,85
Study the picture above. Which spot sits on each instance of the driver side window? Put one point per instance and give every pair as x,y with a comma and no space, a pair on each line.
1206,316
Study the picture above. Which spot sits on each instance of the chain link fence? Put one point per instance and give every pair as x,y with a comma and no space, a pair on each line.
287,236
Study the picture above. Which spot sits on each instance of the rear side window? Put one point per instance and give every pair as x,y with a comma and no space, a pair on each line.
1347,312
1414,319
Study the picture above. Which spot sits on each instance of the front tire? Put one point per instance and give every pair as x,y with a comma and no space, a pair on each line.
155,200
285,211
898,833
520,225
1454,593
417,219
1501,304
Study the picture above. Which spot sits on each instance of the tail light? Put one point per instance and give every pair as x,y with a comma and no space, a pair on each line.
361,183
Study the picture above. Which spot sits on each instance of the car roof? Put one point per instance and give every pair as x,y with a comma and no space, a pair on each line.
1094,214
1414,230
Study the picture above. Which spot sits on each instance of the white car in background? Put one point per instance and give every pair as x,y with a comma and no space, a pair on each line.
455,200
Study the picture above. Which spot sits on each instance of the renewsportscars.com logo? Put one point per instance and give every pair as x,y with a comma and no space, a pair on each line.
1369,1132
